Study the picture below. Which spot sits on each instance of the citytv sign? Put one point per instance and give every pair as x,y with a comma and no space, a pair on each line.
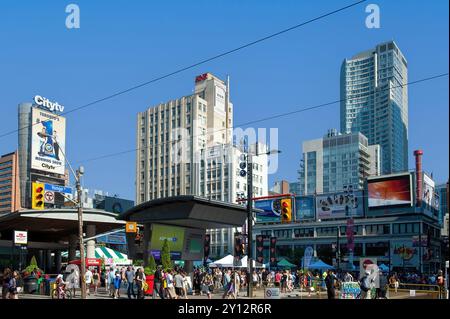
45,103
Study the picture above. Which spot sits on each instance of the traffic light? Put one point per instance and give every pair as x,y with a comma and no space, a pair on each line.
286,210
37,196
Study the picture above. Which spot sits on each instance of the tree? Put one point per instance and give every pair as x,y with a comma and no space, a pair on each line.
151,267
165,256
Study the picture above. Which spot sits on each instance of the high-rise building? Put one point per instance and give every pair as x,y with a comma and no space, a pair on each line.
185,148
335,161
442,190
280,187
9,183
374,101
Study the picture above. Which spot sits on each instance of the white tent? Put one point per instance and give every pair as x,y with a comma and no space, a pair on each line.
244,263
226,261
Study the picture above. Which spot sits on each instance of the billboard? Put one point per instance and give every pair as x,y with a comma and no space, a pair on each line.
173,234
340,205
272,210
304,208
48,141
390,191
429,196
404,254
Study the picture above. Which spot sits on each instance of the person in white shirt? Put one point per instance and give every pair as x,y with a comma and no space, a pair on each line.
88,280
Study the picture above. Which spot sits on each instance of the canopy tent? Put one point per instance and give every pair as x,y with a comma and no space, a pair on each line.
199,263
383,267
110,256
244,263
319,264
283,263
226,261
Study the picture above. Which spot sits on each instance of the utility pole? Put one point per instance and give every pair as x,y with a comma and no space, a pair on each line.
338,251
79,173
250,223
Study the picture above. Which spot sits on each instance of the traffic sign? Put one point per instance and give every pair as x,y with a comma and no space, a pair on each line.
272,293
58,188
49,197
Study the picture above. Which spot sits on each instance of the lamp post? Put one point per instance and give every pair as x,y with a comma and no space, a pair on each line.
78,175
250,215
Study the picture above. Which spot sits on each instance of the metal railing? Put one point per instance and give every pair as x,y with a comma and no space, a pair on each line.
424,291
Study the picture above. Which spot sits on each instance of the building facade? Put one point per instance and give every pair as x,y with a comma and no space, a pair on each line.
185,148
442,191
337,161
280,187
374,101
9,183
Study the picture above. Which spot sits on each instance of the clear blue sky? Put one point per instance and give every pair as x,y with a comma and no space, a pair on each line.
122,43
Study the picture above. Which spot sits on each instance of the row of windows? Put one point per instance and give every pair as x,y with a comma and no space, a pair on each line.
3,164
6,169
6,181
5,194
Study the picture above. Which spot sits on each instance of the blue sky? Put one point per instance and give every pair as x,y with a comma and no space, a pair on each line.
123,43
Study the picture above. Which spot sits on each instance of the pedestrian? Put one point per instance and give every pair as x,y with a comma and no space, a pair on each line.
117,283
111,277
88,280
365,285
226,283
7,274
158,283
178,279
170,286
207,283
72,282
140,279
330,284
255,279
129,277
186,285
394,282
13,285
95,280
381,292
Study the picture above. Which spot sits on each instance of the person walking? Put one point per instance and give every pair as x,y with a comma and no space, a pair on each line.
207,283
179,284
13,284
330,284
394,282
226,283
95,281
129,277
170,286
88,281
365,285
140,279
117,284
186,285
381,292
158,283
7,274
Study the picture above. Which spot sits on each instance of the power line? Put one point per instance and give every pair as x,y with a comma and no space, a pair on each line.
273,35
268,118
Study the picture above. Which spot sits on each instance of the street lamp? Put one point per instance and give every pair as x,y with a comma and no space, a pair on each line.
250,215
79,173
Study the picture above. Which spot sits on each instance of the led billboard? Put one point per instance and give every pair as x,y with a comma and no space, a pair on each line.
173,234
340,205
390,191
304,208
271,210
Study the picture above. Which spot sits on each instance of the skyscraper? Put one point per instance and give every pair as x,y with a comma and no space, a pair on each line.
374,101
337,161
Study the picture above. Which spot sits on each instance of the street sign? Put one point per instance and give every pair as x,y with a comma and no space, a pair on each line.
20,237
131,227
272,293
58,188
49,197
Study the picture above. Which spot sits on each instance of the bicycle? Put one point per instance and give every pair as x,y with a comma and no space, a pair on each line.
65,294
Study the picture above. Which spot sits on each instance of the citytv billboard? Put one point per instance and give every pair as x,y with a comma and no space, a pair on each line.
48,141
271,210
304,208
340,205
390,191
429,197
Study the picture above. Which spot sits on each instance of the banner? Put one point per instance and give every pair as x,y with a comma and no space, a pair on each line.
340,205
307,257
430,198
272,210
404,254
260,249
390,191
350,290
48,141
304,208
273,252
350,235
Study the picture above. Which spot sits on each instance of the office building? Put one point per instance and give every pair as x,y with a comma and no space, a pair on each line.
280,187
337,161
185,148
442,191
374,101
294,188
9,183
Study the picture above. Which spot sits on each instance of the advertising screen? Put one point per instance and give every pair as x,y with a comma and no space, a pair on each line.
340,205
429,196
173,234
404,254
304,208
390,191
272,210
48,140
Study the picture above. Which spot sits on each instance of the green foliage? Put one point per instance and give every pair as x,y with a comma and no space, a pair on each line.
33,265
138,262
165,256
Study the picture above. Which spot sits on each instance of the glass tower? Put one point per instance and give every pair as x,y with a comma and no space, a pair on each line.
374,101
